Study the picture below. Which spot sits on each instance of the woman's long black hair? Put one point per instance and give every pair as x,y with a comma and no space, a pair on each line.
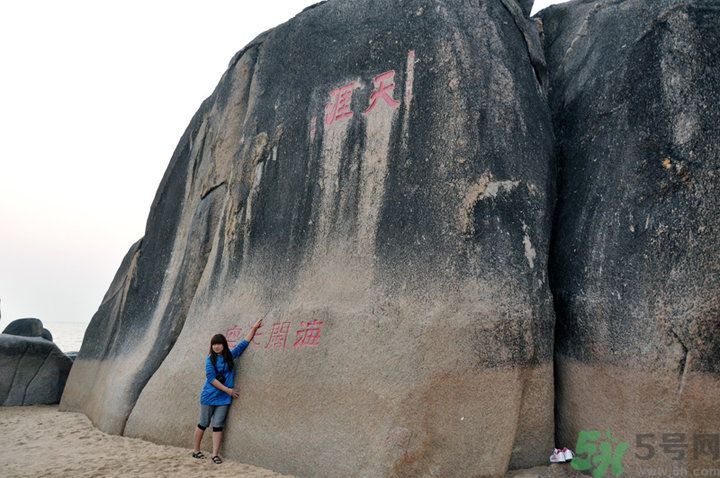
227,356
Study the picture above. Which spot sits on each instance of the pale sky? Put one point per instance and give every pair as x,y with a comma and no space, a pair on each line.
94,96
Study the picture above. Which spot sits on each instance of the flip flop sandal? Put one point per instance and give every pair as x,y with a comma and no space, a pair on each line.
217,460
199,455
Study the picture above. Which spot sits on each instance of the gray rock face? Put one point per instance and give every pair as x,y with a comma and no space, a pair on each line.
378,180
46,335
33,371
375,179
556,470
28,327
526,6
635,88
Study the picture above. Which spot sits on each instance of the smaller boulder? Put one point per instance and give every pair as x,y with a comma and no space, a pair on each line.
33,371
27,327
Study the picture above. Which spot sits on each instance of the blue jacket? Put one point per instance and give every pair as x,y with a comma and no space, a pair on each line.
214,396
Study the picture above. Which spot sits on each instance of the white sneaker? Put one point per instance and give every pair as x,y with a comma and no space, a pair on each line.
558,456
568,454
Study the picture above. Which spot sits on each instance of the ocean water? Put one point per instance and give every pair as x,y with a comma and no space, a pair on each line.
68,336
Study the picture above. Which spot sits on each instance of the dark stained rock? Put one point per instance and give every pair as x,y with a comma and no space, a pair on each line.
526,6
28,327
376,179
46,335
635,269
33,371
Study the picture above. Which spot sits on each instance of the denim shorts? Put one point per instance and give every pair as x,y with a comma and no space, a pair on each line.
218,414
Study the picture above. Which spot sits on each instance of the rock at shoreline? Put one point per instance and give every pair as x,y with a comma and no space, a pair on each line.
33,371
27,327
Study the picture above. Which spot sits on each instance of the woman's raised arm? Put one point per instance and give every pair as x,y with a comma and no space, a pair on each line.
253,329
240,348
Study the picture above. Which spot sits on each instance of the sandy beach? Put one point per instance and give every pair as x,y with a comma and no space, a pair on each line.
40,441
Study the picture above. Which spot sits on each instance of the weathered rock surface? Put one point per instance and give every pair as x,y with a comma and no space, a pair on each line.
526,6
28,327
376,179
557,470
33,371
635,268
46,335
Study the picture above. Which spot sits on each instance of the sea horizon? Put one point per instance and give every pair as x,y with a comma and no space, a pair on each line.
68,336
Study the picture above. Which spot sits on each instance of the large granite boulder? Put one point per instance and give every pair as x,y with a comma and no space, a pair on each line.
27,327
376,180
33,371
635,268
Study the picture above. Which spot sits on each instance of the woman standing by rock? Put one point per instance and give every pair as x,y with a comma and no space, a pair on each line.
218,391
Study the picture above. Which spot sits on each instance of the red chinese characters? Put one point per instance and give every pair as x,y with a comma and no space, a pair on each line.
384,87
309,334
339,106
278,335
233,335
257,335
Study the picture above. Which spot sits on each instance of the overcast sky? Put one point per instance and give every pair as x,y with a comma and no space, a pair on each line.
94,96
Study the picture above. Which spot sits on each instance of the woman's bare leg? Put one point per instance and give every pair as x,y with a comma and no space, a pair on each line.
198,438
217,437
